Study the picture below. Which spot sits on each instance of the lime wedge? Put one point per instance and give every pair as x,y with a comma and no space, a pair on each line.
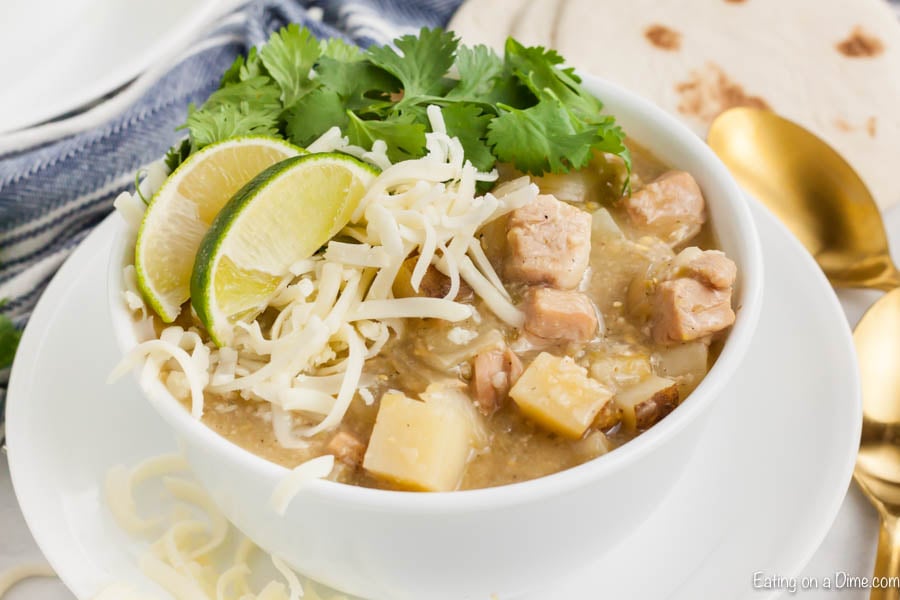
282,216
182,210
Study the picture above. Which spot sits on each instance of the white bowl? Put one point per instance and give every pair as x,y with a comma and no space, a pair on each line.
386,545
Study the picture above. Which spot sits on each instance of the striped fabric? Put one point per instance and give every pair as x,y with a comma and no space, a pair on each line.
52,196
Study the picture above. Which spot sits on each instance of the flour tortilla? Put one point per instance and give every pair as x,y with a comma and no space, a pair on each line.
708,55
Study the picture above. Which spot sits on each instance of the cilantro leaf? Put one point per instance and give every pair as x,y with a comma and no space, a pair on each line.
542,138
9,341
539,70
211,125
611,138
404,138
258,92
288,56
339,50
249,107
233,73
243,69
510,91
361,84
478,67
423,63
177,154
470,125
314,114
525,107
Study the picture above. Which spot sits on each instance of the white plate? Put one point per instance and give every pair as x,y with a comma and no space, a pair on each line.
763,489
59,55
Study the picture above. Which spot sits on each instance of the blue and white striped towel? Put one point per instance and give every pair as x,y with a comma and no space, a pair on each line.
52,196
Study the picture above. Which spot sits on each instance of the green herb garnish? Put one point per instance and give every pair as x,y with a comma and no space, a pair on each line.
177,154
9,339
525,108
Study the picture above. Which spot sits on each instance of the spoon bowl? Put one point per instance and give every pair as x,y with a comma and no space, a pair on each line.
877,340
812,190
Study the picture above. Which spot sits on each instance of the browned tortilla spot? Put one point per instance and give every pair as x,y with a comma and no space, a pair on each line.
735,1
663,37
872,126
842,124
860,44
709,91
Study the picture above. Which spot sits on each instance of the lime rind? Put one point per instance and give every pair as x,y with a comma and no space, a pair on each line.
167,308
210,253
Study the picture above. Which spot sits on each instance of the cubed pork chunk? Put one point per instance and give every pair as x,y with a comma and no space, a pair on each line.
559,315
346,448
686,309
670,207
549,242
709,267
494,372
434,284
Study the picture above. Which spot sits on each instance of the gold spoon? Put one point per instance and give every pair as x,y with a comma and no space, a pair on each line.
825,204
812,190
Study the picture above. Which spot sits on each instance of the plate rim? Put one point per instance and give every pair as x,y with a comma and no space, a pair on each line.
815,541
37,332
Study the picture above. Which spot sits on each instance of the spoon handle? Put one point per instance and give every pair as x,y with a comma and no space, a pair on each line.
887,281
887,561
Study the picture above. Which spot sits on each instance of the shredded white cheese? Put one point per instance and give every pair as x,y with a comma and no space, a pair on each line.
119,490
294,585
194,368
19,573
401,308
337,308
131,208
317,468
186,553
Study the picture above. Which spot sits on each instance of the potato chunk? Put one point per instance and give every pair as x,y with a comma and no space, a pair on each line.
684,359
619,371
647,402
421,445
686,363
593,445
558,394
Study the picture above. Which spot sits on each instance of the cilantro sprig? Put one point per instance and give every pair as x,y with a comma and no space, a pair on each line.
9,339
524,108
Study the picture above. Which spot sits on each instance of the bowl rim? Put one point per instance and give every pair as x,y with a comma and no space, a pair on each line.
733,351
